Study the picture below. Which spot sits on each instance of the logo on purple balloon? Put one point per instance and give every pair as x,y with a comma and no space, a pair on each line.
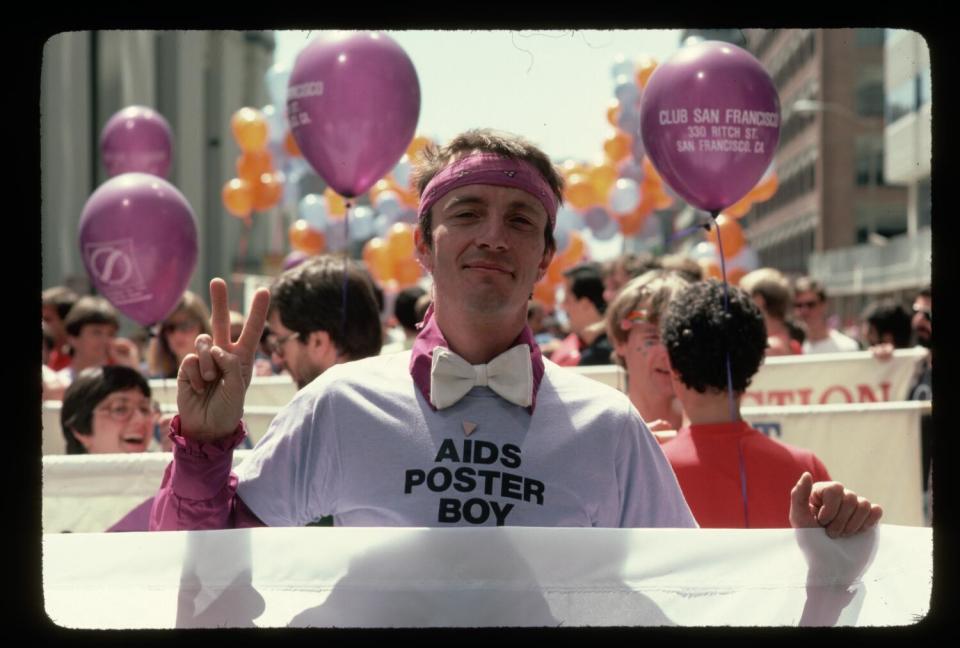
111,264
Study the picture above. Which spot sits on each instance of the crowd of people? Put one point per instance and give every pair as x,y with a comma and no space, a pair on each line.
391,395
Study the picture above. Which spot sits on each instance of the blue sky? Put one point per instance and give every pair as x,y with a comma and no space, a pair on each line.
552,87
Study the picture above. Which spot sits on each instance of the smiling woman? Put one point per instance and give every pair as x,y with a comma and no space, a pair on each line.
107,410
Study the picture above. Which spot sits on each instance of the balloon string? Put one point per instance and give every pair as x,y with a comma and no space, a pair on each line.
346,260
733,411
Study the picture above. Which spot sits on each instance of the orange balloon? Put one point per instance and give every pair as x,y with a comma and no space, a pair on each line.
378,188
580,192
765,188
734,275
238,197
417,144
731,239
253,164
711,270
633,222
407,271
290,145
336,205
554,274
661,199
575,249
377,258
739,208
650,173
545,293
644,70
249,129
306,239
569,167
617,146
268,191
400,244
602,177
613,112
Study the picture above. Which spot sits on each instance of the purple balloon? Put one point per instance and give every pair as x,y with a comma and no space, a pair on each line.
596,218
710,121
137,139
138,240
353,102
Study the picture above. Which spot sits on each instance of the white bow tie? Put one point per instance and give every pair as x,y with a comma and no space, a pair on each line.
509,375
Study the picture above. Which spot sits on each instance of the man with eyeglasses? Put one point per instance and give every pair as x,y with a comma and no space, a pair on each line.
314,325
810,307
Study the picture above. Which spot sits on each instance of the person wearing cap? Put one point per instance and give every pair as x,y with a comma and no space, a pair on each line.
470,427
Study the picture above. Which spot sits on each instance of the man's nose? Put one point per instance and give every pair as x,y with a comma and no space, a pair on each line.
493,234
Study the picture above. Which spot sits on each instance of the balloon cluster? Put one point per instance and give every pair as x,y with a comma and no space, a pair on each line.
258,185
545,290
622,188
137,232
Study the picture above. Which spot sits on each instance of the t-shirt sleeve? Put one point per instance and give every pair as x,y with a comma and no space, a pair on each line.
650,495
291,477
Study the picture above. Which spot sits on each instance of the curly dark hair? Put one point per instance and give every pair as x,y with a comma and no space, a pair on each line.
433,159
309,297
698,333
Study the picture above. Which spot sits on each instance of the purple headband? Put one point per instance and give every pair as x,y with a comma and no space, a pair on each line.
490,169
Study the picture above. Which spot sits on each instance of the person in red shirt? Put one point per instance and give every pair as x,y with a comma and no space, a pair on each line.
731,475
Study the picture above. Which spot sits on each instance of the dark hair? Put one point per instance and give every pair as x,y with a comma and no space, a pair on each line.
161,358
806,284
889,316
405,306
432,160
87,391
61,298
699,333
925,292
310,297
634,264
90,310
586,280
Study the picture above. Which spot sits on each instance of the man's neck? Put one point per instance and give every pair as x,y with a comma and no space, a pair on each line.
817,331
710,407
477,339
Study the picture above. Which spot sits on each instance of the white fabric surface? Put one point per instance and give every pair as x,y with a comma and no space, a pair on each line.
404,577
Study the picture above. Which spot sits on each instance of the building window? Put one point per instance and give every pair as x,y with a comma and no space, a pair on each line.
869,37
901,100
869,91
868,152
923,203
923,87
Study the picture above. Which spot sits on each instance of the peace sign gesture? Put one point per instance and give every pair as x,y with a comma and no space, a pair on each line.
212,383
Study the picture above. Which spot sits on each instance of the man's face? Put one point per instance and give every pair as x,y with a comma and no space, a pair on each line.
488,250
646,359
808,308
922,323
52,319
91,348
292,353
578,310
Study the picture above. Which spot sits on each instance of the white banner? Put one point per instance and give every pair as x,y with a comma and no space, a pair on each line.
263,390
829,378
871,448
483,577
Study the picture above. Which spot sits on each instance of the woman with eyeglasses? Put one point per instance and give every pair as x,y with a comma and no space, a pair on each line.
108,410
633,325
177,335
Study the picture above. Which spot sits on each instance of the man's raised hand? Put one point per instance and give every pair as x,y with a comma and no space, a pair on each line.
213,381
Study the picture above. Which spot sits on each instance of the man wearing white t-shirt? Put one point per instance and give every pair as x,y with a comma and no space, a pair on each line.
810,307
470,427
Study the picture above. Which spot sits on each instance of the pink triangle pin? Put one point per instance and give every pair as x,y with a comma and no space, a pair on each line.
468,428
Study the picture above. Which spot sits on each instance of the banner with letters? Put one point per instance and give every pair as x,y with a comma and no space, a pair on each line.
484,577
833,378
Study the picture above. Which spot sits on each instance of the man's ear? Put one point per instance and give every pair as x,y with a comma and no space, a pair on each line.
422,250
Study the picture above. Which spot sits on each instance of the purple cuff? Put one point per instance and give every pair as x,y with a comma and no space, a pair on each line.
202,468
